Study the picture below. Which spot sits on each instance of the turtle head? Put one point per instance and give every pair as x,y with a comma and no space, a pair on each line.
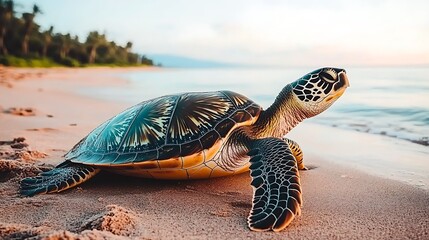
318,90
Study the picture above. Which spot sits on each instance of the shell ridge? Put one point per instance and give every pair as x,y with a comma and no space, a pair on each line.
143,104
238,100
229,98
198,113
148,129
115,131
171,117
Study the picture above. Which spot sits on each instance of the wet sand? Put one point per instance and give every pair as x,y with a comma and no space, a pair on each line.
340,202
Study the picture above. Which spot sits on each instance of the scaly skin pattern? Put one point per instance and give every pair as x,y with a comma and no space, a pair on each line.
297,153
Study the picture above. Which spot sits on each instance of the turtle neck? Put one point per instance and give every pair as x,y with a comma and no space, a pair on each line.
280,117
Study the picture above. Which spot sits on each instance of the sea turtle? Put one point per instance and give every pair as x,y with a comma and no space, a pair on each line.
204,135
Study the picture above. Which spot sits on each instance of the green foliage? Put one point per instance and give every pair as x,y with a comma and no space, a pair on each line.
13,61
24,44
70,62
27,62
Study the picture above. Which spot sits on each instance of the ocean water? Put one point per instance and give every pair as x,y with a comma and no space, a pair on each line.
393,102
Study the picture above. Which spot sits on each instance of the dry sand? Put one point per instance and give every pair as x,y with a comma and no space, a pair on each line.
339,202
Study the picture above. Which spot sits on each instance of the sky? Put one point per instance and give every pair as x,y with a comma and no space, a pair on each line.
269,32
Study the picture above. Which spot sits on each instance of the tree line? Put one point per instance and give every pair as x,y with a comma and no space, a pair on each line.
22,41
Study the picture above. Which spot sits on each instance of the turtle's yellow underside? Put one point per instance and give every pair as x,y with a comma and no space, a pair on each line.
196,166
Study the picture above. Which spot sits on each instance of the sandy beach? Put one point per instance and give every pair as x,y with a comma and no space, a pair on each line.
42,116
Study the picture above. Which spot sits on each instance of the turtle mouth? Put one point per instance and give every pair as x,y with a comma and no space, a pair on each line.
342,82
339,87
343,77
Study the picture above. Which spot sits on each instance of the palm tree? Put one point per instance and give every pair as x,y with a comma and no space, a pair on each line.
94,40
28,25
47,38
6,13
128,46
66,41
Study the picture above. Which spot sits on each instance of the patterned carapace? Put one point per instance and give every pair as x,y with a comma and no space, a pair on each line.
166,127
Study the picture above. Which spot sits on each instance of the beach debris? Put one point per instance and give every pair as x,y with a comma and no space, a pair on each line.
49,115
73,124
114,219
21,111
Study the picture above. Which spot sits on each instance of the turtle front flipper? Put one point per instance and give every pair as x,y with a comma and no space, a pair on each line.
64,176
276,185
297,153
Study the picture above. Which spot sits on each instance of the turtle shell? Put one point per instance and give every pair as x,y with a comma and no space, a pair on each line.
162,132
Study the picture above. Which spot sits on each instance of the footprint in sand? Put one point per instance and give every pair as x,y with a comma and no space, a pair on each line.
21,111
42,129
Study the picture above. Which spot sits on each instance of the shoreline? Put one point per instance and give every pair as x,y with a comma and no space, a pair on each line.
340,201
378,155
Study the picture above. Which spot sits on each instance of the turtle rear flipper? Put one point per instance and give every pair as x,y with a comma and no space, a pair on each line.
64,176
276,185
297,153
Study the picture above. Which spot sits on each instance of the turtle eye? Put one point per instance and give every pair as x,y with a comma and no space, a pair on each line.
329,75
